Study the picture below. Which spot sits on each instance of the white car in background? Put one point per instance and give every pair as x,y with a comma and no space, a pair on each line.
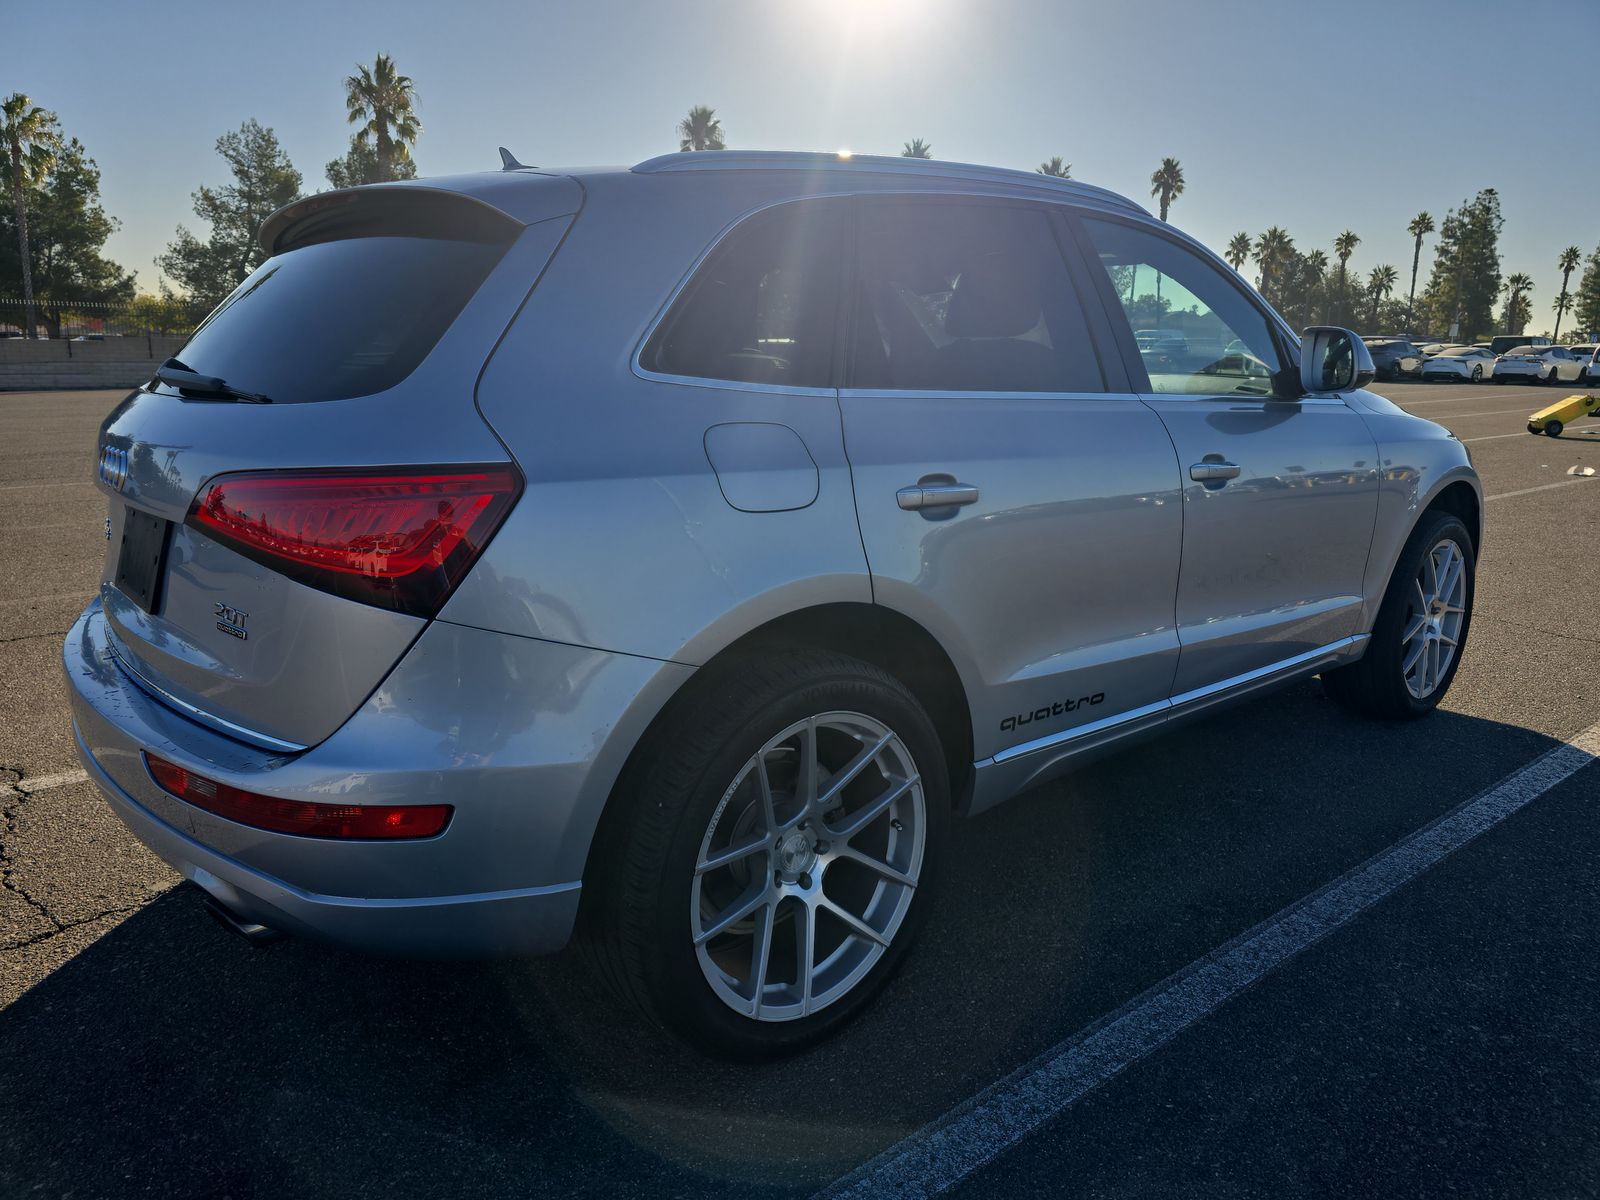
1588,363
1453,363
1537,364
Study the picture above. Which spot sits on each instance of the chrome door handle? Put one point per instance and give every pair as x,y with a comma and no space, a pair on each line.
936,495
1213,472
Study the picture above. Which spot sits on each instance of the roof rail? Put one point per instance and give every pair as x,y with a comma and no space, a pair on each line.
877,164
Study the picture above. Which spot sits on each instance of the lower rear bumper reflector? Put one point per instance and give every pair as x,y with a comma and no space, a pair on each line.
305,818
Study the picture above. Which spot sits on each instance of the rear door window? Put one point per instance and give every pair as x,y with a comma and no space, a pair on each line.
967,297
337,319
762,307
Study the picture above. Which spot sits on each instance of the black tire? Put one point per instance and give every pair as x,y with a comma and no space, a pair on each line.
1553,428
1477,372
637,903
1374,685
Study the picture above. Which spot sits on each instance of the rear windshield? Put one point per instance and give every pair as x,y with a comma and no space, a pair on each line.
337,319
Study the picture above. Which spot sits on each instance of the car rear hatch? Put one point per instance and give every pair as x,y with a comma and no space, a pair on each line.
293,497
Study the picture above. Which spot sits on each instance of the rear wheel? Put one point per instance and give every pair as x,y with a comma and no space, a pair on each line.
1421,629
767,864
1553,428
1477,372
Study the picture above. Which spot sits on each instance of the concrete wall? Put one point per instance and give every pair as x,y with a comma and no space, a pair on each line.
58,363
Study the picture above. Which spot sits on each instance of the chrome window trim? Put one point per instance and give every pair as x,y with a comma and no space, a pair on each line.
933,394
200,716
1178,702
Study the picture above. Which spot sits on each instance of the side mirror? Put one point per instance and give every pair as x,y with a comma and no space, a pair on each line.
1333,360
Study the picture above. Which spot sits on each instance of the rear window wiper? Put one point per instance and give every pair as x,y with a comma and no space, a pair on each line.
173,372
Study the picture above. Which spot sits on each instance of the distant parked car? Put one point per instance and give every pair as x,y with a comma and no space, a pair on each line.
1588,363
1513,341
1394,358
1169,340
1433,348
1471,363
1538,364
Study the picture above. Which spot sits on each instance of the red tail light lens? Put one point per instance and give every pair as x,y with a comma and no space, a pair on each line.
396,538
373,821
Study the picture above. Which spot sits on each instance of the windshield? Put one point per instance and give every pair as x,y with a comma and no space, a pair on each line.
339,319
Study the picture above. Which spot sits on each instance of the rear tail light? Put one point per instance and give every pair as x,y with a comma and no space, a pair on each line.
398,538
373,821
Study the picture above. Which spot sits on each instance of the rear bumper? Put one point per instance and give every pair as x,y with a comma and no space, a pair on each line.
530,921
523,737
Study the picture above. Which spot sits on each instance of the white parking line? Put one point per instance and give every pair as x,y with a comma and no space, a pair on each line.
20,487
1543,487
46,783
942,1154
1495,437
1492,412
1517,391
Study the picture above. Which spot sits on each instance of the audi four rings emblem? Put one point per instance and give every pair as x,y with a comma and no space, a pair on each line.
114,466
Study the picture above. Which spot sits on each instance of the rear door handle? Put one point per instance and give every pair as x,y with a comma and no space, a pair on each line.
1213,472
936,495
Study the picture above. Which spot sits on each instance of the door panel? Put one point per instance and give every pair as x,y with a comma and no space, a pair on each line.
1279,495
1052,586
1273,559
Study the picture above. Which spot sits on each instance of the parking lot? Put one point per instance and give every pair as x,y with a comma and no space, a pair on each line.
1443,1037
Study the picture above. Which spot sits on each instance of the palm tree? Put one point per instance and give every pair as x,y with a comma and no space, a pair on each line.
1238,250
1516,286
917,148
1568,262
1421,225
1061,170
701,130
1313,266
1167,182
1343,247
1273,249
382,102
1562,303
1379,284
28,134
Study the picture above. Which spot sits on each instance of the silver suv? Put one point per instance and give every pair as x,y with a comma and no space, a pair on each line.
670,553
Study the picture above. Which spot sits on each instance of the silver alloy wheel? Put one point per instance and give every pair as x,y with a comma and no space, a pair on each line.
1433,622
808,866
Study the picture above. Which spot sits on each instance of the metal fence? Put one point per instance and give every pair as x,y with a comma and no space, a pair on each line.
93,321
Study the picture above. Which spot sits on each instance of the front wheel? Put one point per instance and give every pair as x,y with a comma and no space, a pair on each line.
767,863
1553,428
1421,629
1477,373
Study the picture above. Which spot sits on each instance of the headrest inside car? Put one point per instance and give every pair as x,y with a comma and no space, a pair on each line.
995,297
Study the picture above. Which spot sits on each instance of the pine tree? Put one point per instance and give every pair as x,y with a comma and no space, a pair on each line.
1465,281
1588,296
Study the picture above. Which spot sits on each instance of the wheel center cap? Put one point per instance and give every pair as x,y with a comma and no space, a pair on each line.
795,856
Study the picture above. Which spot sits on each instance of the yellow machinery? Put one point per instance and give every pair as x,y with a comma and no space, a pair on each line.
1558,416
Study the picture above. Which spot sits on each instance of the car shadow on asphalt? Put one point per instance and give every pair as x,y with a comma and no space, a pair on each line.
170,1056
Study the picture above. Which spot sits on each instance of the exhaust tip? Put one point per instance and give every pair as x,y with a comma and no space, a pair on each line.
252,932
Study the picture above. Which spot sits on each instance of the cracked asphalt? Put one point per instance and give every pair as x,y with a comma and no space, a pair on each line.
1444,1042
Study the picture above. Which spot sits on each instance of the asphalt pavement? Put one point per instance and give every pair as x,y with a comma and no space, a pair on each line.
1440,1038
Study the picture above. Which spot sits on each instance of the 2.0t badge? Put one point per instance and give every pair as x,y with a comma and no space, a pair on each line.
231,621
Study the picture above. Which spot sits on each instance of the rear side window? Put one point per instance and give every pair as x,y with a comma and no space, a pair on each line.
762,307
967,297
337,319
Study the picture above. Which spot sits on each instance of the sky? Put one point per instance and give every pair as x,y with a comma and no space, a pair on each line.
1312,115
